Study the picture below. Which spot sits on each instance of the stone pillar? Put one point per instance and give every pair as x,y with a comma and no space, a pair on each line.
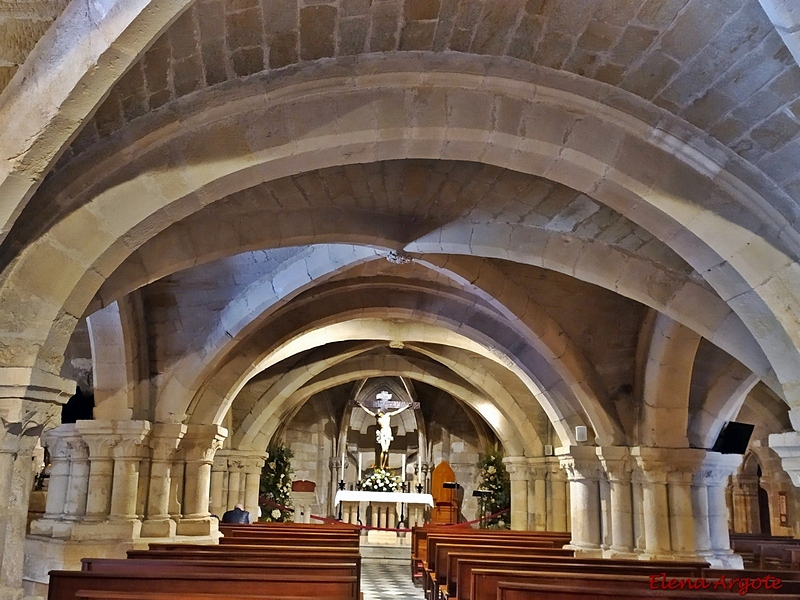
127,458
537,494
199,444
710,483
164,441
517,467
22,423
57,443
99,438
616,461
557,515
583,471
219,475
235,472
745,504
653,466
114,457
252,471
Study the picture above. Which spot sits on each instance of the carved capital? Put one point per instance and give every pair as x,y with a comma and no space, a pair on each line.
580,462
517,467
201,442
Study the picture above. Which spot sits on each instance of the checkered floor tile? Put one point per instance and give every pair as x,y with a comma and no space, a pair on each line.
383,579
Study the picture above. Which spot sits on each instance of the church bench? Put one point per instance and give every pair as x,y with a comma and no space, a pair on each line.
65,585
744,543
109,595
434,574
508,590
419,540
296,540
791,558
459,584
448,555
167,547
257,530
278,564
770,552
790,579
261,555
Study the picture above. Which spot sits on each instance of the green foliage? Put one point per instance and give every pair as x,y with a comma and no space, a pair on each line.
381,480
276,485
494,478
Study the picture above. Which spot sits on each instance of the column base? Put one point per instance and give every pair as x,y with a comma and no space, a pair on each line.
723,560
620,553
42,527
9,593
106,530
585,551
159,528
206,526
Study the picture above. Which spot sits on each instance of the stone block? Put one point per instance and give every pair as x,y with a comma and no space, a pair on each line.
244,29
316,31
353,36
417,36
183,35
651,75
384,33
188,76
495,28
280,15
247,61
523,44
776,131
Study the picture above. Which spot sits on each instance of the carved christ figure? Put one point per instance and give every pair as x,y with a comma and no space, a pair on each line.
384,435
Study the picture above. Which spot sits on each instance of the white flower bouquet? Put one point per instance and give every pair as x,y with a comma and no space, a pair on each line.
381,480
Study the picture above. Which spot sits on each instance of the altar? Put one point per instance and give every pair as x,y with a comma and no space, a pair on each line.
384,507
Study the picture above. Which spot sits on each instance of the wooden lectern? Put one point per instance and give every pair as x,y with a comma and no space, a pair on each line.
445,504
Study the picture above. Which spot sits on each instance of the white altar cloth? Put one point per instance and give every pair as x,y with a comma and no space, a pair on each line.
358,496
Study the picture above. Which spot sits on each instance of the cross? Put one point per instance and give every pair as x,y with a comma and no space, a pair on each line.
384,396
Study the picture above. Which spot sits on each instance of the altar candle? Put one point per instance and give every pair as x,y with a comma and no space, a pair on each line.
341,469
419,467
404,467
359,466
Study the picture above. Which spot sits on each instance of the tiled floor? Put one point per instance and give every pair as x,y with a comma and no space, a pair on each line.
388,579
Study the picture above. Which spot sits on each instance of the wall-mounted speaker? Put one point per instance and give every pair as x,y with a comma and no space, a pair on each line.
733,438
581,435
548,450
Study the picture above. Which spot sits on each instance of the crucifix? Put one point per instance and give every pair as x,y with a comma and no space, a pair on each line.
381,404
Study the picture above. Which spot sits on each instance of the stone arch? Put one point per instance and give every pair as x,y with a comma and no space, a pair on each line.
720,246
663,420
527,365
63,80
265,419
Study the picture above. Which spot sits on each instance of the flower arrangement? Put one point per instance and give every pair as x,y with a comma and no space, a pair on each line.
276,485
381,480
494,478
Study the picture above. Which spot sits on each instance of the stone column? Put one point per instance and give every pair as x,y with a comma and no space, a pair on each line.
22,423
583,471
654,466
252,470
164,442
127,457
745,504
199,444
57,443
517,467
710,483
219,475
78,489
557,516
616,461
99,438
537,494
235,472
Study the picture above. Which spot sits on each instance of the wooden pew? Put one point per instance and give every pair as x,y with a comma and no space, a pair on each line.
65,585
419,537
290,540
276,548
528,591
460,586
743,543
447,559
109,595
769,553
